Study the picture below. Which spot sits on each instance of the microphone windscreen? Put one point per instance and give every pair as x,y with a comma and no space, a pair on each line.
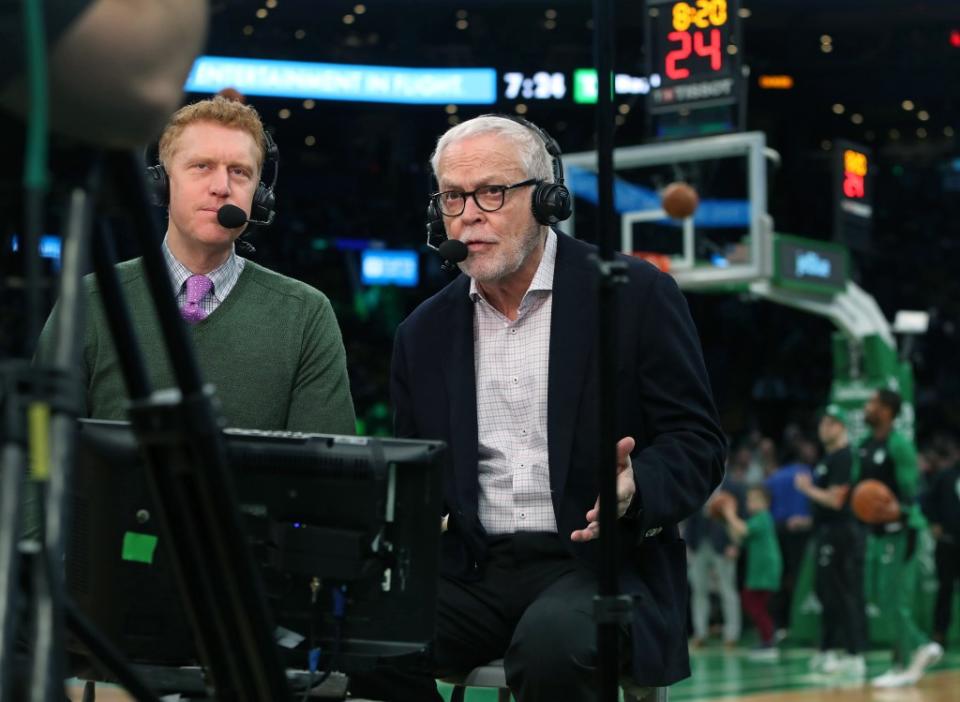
453,250
231,216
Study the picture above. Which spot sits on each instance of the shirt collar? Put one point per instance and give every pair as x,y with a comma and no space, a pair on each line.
224,277
542,279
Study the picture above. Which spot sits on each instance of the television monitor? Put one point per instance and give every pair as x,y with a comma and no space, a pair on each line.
389,267
345,532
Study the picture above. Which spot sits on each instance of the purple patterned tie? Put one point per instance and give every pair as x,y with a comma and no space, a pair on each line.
197,287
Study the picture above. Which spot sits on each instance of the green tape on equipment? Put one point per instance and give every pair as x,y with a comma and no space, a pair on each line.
139,547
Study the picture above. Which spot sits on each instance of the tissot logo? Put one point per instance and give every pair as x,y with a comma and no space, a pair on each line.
812,264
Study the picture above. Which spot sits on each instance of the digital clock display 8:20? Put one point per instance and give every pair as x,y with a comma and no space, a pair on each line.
689,39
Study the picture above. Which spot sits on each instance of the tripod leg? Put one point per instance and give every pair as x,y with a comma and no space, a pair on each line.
12,469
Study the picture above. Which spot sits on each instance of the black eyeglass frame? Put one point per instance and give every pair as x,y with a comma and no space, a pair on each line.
435,197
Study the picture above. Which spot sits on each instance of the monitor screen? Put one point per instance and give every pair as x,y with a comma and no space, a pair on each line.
389,267
344,530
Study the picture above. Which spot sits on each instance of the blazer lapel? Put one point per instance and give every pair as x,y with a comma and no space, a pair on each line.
573,331
459,375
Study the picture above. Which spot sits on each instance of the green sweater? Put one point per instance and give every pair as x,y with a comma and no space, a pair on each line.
272,350
764,563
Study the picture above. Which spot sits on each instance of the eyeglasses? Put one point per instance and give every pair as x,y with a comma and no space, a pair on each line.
489,198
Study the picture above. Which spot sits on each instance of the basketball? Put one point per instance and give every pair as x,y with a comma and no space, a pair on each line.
873,503
718,504
679,200
233,94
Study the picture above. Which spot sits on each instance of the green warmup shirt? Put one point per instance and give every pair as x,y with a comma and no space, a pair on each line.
272,350
891,566
764,563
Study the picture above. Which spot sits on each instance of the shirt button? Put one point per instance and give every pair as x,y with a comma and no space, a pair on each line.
523,516
516,380
513,331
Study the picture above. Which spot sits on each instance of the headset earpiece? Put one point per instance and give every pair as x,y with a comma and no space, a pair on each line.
264,206
551,203
158,186
264,203
436,232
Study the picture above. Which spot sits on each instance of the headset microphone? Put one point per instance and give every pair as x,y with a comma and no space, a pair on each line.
453,251
231,217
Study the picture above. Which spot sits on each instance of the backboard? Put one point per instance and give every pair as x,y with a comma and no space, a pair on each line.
726,243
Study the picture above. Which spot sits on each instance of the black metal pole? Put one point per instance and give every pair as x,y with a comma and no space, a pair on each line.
131,188
49,644
603,49
611,610
13,468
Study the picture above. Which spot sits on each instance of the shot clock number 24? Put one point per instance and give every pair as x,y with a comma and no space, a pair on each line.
690,38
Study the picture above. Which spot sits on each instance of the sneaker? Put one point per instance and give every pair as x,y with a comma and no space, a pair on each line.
764,652
848,667
924,657
895,677
822,660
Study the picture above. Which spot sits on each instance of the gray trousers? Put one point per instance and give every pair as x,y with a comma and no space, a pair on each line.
708,568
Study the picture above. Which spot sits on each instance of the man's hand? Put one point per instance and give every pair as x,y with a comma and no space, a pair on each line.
727,508
889,512
802,482
626,488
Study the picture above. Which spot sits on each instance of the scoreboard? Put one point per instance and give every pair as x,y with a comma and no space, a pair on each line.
853,195
693,45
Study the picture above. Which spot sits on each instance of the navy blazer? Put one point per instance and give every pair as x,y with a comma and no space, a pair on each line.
664,402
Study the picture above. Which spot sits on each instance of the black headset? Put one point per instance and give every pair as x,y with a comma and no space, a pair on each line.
263,210
551,202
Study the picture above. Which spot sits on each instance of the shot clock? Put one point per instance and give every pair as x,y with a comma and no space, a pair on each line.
853,194
693,46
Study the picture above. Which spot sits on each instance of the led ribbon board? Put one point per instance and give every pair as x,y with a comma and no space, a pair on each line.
344,82
585,85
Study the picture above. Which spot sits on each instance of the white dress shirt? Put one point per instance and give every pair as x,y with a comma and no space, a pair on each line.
512,361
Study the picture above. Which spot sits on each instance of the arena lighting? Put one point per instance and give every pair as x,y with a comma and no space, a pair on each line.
911,322
955,38
344,82
49,245
776,82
